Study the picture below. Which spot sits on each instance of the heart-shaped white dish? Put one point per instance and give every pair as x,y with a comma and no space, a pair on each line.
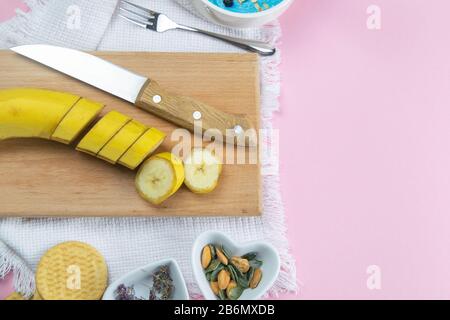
141,280
266,253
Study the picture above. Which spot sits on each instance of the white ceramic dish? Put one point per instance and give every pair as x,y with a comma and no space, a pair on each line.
266,253
239,20
141,280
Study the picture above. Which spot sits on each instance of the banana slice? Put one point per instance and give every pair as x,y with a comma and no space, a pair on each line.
202,169
142,148
122,141
177,164
103,131
76,120
160,177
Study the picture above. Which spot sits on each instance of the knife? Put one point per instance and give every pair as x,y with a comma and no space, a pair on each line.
141,91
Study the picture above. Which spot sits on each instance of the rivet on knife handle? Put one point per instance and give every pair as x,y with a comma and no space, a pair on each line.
184,111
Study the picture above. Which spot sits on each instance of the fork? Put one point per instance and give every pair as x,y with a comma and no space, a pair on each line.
159,22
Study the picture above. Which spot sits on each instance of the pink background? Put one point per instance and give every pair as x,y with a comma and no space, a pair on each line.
365,137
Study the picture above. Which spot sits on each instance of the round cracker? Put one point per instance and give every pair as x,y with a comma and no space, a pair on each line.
71,271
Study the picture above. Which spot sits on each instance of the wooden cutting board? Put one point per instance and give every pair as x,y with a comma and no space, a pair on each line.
44,178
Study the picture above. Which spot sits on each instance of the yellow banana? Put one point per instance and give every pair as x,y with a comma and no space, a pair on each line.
76,120
122,141
36,113
103,131
142,148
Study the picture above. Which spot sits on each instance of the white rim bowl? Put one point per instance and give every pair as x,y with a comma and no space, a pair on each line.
140,278
266,252
251,15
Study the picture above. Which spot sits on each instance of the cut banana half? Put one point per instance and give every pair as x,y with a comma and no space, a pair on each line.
202,169
103,131
160,177
45,114
32,113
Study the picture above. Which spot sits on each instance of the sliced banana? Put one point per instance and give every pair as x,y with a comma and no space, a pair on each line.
82,114
142,148
160,177
102,132
122,141
202,170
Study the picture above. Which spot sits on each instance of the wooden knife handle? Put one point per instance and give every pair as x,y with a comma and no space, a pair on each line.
184,112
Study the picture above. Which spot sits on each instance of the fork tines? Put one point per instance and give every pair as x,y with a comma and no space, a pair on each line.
142,17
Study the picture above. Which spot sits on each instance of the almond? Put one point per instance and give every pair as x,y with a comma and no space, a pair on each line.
256,279
242,264
223,279
206,257
215,287
221,256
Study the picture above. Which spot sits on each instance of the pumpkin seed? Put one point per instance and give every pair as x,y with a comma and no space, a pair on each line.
238,272
221,295
213,251
243,282
238,276
235,293
255,263
250,273
233,273
225,252
250,256
213,266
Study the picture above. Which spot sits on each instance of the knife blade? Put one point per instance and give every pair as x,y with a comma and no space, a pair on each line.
141,91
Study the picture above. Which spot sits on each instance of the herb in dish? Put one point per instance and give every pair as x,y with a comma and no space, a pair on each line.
125,293
161,289
229,276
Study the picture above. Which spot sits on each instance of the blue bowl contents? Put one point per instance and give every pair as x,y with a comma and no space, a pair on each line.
246,6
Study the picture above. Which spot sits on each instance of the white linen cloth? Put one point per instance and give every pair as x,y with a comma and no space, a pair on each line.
128,243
